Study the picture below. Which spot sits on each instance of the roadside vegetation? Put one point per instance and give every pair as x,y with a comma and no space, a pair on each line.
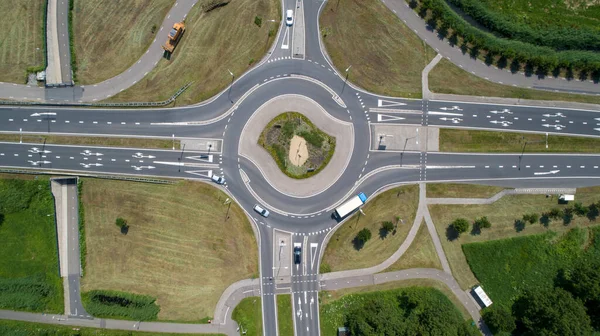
543,282
22,39
19,328
509,217
458,140
454,190
285,315
516,55
386,56
410,311
92,141
299,148
175,248
120,305
446,72
420,254
248,315
201,56
29,272
105,49
347,248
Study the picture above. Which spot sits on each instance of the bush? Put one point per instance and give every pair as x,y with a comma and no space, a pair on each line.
482,223
362,237
460,225
580,210
121,222
555,213
531,218
258,21
103,303
387,226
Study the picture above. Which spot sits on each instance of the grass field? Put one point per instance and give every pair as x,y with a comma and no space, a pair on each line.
29,273
444,75
93,141
178,248
509,266
458,140
341,253
386,56
428,301
537,13
502,214
201,56
105,49
18,328
284,314
420,254
453,190
22,40
248,315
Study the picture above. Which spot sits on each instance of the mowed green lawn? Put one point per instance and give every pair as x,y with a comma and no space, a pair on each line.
248,315
386,56
446,77
453,190
284,314
179,248
502,214
29,272
341,253
19,328
509,266
21,38
420,254
214,42
110,36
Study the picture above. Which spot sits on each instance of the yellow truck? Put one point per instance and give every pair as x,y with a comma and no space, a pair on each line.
174,37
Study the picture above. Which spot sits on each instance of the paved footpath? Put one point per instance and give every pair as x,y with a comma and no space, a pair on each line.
479,68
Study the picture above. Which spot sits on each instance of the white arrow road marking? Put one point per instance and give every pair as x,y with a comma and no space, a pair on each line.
88,165
597,129
558,127
37,163
445,113
313,254
454,120
546,173
299,313
142,167
504,123
43,114
388,103
384,117
312,300
507,111
558,114
453,108
285,41
141,156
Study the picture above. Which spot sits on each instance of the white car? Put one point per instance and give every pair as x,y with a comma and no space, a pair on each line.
261,211
218,179
289,17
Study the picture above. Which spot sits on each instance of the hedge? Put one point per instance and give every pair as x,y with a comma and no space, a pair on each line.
105,303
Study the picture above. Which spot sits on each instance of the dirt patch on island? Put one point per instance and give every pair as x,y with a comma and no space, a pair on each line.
298,151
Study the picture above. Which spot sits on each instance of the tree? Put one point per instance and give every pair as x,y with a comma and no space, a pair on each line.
583,281
362,237
580,209
551,311
482,223
460,225
122,224
531,218
387,226
499,319
555,213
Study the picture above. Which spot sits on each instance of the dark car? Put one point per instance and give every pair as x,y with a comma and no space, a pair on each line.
297,254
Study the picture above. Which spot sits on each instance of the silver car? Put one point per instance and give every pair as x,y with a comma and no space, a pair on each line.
261,211
218,179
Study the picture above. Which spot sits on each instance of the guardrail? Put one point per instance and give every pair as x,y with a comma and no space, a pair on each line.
101,176
131,104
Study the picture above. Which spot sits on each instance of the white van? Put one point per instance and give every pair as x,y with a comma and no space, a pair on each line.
289,17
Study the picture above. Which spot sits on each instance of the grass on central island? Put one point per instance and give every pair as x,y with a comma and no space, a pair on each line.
29,271
277,136
248,315
504,216
179,248
341,252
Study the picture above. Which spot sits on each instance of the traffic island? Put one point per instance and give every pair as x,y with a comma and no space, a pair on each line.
299,148
340,133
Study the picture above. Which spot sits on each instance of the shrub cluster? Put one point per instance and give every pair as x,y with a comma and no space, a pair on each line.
542,58
30,293
104,303
559,38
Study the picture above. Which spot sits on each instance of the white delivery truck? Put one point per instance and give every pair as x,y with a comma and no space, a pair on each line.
350,206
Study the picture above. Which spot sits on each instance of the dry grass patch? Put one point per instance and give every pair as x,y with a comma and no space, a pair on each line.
92,141
444,76
21,38
458,140
420,254
455,190
178,248
386,56
110,36
214,42
341,253
502,214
